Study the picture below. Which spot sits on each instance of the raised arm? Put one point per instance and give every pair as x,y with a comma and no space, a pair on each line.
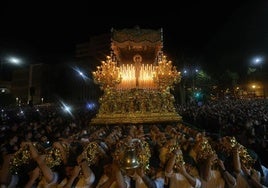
206,167
146,179
236,160
33,176
251,180
230,180
112,175
46,171
85,169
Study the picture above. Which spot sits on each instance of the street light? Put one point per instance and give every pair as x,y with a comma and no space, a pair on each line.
192,72
189,78
258,61
12,60
255,63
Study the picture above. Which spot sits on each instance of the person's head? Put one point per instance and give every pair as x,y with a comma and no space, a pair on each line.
13,138
222,155
76,148
256,161
189,162
29,135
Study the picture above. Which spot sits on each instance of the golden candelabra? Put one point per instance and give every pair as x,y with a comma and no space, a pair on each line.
108,74
166,74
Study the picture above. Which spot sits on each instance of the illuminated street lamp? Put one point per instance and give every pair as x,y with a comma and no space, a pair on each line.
11,61
14,60
188,85
191,73
255,63
81,74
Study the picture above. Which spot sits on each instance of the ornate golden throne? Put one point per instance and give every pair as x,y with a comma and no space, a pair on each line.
136,79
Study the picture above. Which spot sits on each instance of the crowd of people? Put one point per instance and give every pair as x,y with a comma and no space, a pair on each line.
245,119
42,147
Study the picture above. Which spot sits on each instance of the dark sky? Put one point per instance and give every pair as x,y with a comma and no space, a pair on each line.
220,34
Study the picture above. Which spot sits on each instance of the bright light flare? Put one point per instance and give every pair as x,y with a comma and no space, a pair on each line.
81,74
257,60
14,60
66,108
90,105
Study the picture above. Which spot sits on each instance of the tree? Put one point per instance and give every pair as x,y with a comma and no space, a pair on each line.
228,81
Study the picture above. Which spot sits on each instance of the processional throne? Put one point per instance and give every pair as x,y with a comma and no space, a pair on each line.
136,80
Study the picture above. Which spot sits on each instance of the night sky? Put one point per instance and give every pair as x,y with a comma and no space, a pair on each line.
218,34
